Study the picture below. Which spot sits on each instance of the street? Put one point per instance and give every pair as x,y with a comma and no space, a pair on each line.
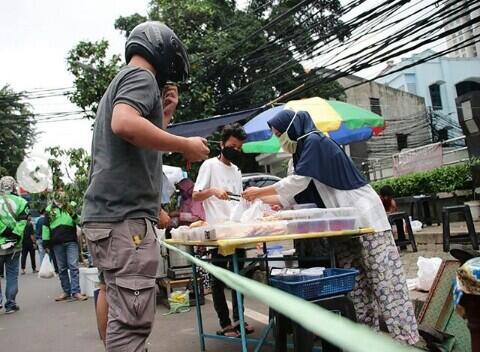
43,325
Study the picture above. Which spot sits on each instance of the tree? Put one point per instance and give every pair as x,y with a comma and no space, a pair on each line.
93,73
240,58
17,130
70,182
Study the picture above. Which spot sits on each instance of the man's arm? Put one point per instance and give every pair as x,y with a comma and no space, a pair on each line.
128,124
210,192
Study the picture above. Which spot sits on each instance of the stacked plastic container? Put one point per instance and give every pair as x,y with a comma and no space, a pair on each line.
318,220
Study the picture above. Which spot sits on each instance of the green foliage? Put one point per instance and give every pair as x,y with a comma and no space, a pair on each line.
443,179
17,130
93,73
239,58
70,193
127,23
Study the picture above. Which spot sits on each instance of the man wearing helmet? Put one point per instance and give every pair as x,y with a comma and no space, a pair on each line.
123,196
13,220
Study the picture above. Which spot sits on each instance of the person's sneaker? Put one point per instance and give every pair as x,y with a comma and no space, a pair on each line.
23,272
62,297
79,297
11,310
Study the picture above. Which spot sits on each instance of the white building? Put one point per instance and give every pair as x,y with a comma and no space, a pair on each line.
439,81
465,33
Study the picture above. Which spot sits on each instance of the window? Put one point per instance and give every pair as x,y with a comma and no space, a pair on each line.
443,134
402,141
435,96
375,106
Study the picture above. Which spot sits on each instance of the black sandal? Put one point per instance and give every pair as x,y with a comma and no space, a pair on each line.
248,328
228,330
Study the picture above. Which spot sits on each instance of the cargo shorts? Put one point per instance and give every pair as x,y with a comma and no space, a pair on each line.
128,254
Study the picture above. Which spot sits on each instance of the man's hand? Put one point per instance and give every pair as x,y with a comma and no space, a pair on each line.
170,102
220,193
163,219
252,193
195,149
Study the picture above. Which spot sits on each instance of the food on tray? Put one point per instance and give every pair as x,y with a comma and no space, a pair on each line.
199,223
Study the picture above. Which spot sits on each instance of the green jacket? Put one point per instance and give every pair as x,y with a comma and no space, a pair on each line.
59,226
13,218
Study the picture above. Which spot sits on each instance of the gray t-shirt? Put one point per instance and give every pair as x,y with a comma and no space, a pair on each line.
125,180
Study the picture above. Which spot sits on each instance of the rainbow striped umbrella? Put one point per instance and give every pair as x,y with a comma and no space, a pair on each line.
345,123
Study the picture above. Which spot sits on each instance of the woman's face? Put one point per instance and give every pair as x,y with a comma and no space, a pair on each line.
276,132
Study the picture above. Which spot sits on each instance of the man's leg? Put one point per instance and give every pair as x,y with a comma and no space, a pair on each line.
218,292
101,308
2,265
32,258
131,294
41,250
54,260
11,277
71,249
241,254
61,256
24,258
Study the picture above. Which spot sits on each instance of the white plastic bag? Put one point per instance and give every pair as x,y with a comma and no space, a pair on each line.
254,211
416,226
427,271
47,271
239,209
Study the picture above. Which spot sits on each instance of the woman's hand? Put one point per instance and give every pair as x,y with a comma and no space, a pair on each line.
252,193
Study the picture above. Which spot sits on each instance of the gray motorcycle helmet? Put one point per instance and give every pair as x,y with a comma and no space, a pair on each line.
161,47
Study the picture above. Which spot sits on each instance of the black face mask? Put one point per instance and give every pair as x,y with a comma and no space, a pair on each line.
231,154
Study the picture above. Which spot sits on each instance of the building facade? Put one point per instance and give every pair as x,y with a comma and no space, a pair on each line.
439,82
406,118
464,34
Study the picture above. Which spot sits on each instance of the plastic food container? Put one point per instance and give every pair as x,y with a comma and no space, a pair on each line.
318,225
304,206
341,224
307,226
180,233
298,226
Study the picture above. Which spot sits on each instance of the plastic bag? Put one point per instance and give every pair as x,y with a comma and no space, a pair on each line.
427,271
416,226
47,271
239,209
179,302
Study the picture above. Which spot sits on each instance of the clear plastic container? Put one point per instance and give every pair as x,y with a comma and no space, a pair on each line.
298,226
180,233
305,206
237,230
342,223
318,225
312,213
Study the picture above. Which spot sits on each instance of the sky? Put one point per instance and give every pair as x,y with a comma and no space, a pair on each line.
35,38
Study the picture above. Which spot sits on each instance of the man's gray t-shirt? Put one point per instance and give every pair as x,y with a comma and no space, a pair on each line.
125,180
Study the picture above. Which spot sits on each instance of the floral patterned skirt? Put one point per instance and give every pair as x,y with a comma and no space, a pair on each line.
381,288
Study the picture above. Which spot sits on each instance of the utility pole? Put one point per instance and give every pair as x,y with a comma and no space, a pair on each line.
430,116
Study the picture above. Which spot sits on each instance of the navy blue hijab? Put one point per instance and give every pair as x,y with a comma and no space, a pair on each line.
317,156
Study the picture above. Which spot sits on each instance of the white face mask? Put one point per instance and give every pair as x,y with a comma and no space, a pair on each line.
287,144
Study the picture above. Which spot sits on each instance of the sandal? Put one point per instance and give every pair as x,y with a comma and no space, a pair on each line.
248,328
229,331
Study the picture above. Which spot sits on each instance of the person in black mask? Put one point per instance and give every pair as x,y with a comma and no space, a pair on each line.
218,179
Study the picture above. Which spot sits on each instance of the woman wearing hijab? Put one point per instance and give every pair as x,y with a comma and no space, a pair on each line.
381,288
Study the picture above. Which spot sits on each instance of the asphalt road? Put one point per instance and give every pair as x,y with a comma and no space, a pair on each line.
43,325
